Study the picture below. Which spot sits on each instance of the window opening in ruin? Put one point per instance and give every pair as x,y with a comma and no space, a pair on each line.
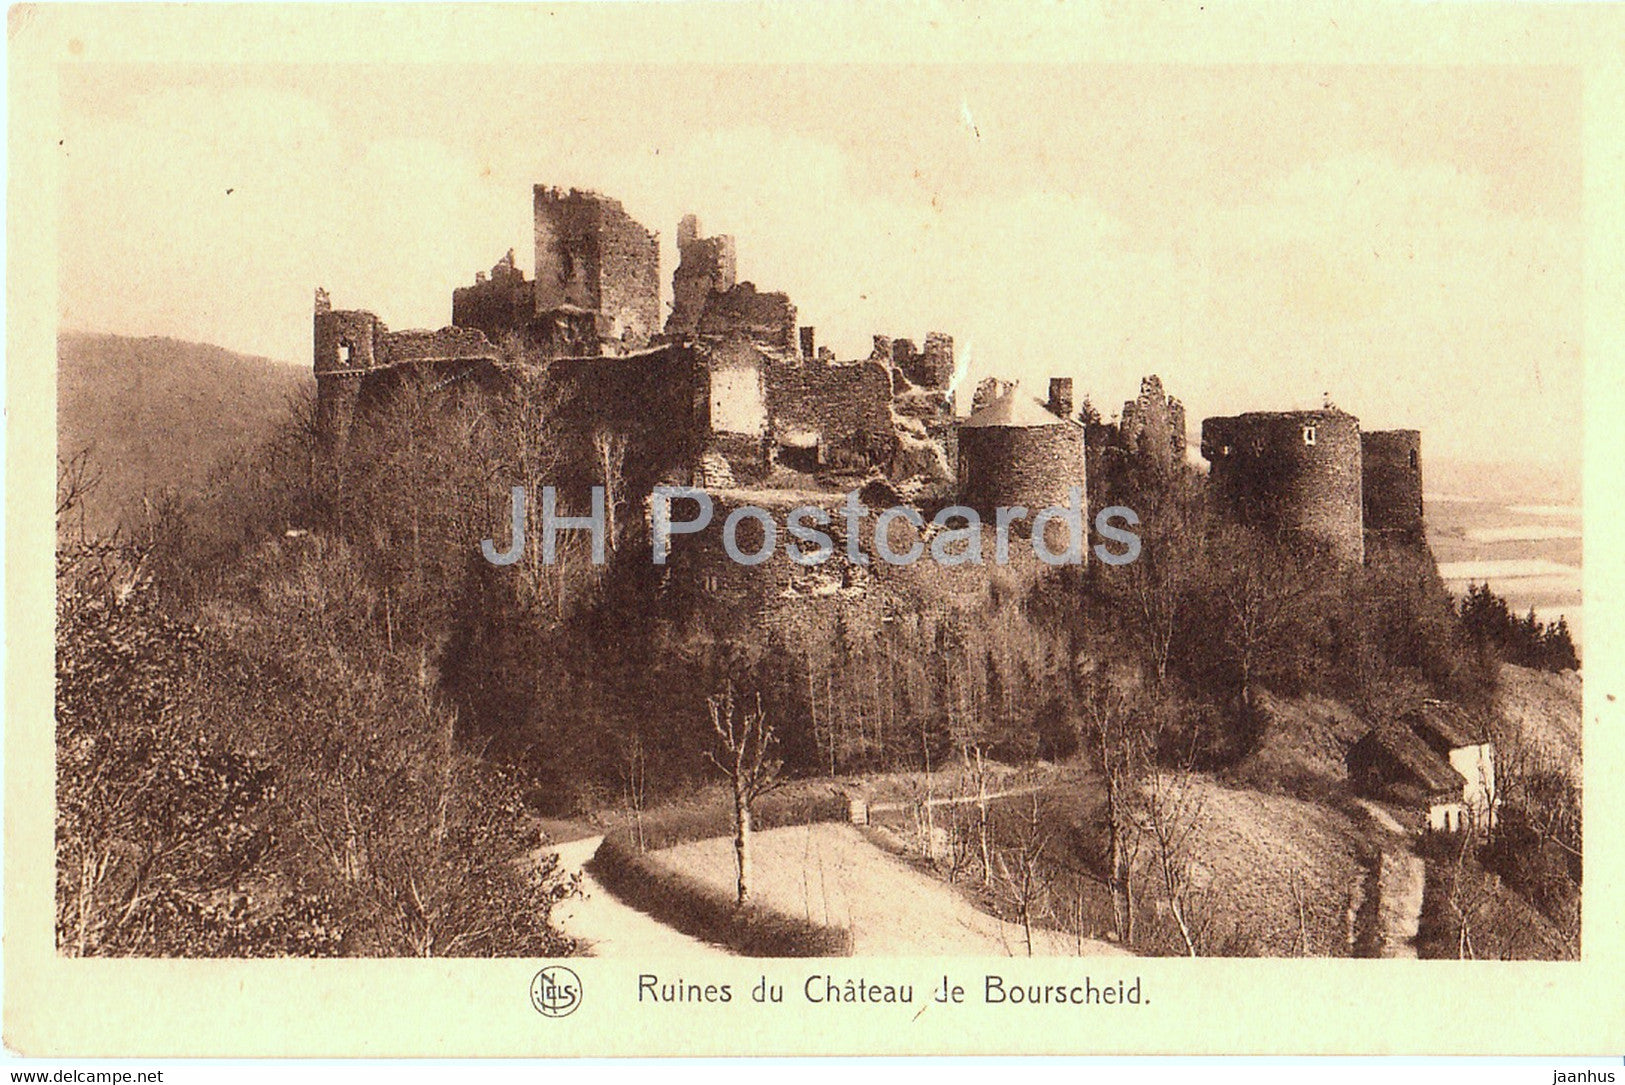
344,353
1413,459
1309,435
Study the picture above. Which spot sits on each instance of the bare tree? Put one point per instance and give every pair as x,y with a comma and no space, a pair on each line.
634,777
1122,748
1170,812
1157,586
77,477
1023,879
745,739
609,449
1261,598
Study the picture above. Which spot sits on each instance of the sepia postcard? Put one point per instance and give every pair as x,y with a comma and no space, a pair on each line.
803,529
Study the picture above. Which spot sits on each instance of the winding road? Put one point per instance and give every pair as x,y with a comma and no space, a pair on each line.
608,928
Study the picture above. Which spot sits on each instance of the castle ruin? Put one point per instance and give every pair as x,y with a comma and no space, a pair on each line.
730,391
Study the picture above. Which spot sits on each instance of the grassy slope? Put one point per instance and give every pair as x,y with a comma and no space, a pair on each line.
1544,711
159,413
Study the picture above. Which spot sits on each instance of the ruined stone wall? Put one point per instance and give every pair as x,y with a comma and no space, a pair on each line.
700,577
1031,466
447,344
1392,481
932,367
847,406
1292,471
1153,426
629,277
500,305
656,399
738,392
767,318
705,264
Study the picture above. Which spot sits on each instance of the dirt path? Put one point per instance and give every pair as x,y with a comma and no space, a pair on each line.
608,928
953,800
1382,817
1401,879
1399,915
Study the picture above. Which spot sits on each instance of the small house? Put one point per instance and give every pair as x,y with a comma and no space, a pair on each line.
1393,763
1434,758
1454,735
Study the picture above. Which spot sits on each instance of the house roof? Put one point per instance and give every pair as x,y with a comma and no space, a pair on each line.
1415,756
1445,726
1016,410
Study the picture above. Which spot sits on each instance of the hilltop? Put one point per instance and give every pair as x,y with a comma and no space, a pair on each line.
159,413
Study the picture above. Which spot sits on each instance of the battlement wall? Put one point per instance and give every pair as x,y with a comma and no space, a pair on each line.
446,344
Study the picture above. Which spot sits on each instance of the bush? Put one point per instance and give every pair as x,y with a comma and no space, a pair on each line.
283,788
709,815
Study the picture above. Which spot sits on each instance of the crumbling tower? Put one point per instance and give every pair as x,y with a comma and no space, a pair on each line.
704,264
1153,427
345,348
1291,472
591,256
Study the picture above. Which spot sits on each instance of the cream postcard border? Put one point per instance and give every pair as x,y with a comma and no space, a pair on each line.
61,1006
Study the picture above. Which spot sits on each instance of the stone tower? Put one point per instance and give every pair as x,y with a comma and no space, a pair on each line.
592,256
704,264
1392,482
345,348
1016,451
1291,472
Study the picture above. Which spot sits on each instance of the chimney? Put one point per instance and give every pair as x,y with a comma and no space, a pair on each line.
807,340
1060,396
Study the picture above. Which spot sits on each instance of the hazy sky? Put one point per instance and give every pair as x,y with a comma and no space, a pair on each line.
1408,240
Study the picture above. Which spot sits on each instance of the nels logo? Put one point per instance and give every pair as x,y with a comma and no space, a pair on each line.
556,991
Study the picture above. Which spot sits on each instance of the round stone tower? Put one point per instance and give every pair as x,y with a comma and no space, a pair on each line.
1015,451
1392,469
1293,472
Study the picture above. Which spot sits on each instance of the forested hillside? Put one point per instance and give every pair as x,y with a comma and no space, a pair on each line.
158,414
